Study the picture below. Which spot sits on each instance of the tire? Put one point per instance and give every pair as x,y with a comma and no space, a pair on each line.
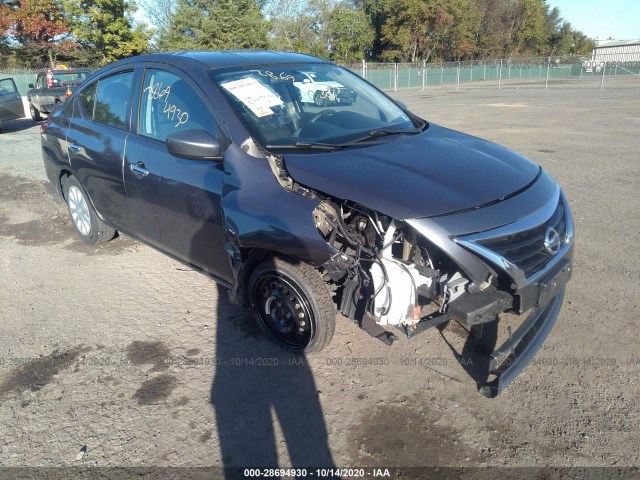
292,305
85,219
35,113
319,100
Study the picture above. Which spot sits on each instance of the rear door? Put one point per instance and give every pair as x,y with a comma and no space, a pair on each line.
175,203
10,100
97,139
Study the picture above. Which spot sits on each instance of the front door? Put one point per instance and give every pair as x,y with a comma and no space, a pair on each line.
174,203
10,100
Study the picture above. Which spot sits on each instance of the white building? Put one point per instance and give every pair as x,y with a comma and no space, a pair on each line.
616,51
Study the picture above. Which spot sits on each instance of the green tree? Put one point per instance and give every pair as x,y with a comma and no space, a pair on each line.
215,25
374,10
159,12
529,33
350,34
563,39
460,36
492,39
105,27
298,26
414,29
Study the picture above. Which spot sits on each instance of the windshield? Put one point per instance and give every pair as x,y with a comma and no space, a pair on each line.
281,107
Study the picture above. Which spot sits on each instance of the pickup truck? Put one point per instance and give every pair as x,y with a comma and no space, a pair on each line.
53,87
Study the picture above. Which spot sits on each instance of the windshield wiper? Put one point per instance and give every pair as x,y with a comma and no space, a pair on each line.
373,134
383,133
306,146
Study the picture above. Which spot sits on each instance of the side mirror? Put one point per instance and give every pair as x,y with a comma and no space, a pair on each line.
31,85
194,145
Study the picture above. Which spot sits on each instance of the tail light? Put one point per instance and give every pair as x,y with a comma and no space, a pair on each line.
68,92
44,126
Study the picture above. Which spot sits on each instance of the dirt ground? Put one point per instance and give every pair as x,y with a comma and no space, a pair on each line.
116,355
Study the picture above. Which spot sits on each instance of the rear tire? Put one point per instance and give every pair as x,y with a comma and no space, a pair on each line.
292,305
35,113
85,219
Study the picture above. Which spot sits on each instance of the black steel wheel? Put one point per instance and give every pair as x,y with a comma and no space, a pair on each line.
292,305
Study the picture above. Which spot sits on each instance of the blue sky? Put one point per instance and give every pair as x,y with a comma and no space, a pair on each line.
601,19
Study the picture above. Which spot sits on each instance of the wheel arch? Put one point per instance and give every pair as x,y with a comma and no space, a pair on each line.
63,178
243,267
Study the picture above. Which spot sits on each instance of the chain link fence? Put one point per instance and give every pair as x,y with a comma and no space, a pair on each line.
22,76
25,76
498,73
495,73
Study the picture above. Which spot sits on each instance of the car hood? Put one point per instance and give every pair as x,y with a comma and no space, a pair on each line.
435,172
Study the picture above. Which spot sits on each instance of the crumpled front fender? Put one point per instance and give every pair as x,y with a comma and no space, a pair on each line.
260,213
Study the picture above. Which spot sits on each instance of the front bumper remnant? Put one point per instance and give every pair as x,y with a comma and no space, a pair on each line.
508,360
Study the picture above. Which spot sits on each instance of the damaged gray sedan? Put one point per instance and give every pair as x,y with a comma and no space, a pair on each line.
303,210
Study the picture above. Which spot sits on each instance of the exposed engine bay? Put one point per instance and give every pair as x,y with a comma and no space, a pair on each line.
390,274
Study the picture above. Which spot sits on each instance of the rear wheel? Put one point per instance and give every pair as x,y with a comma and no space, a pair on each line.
35,113
88,225
292,305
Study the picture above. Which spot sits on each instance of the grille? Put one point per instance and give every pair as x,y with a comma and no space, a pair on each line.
526,249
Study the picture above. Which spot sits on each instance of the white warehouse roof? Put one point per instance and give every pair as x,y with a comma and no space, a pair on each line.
616,43
617,51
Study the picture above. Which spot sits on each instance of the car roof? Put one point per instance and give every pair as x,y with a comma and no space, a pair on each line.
223,59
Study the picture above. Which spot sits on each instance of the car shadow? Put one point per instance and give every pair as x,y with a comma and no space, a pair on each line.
266,404
265,399
475,355
18,125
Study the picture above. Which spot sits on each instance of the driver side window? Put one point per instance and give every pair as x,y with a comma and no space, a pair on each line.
169,105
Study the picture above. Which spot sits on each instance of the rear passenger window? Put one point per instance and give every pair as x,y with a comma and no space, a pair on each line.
169,104
107,100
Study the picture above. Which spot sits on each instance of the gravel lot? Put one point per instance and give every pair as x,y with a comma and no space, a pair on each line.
118,356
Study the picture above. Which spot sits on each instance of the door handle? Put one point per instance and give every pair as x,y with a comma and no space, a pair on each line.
138,168
74,146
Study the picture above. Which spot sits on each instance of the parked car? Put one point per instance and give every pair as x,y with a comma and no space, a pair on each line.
53,87
316,88
10,101
302,211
